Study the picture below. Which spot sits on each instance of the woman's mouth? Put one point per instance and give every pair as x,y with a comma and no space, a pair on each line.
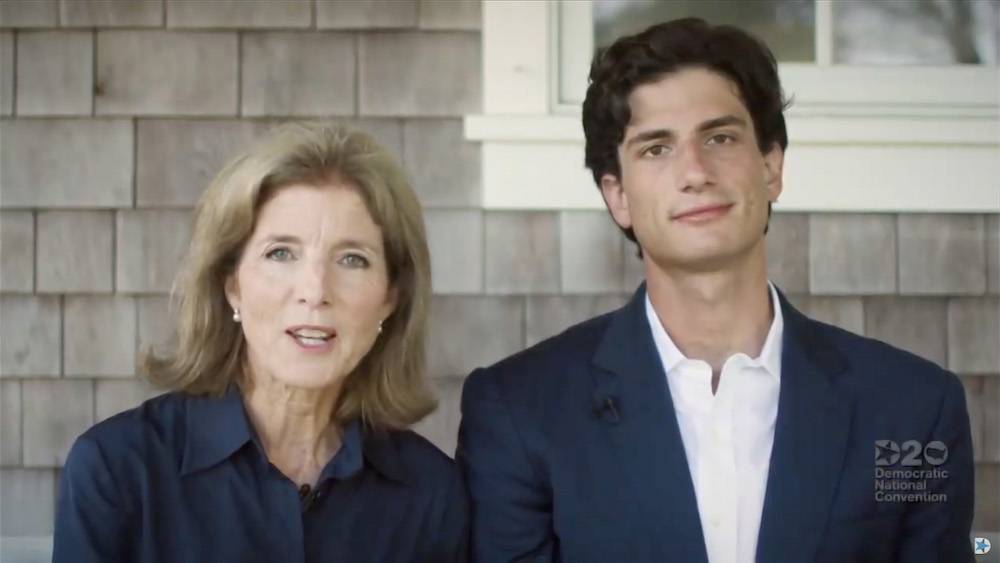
312,337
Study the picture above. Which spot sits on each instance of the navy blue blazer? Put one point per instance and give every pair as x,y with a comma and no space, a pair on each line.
571,452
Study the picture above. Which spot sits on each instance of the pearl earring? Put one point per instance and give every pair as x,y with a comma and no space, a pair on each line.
380,327
236,315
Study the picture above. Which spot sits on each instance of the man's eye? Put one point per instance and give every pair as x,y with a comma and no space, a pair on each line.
355,261
279,254
721,139
655,150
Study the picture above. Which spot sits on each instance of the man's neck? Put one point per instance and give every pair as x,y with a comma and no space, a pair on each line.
712,315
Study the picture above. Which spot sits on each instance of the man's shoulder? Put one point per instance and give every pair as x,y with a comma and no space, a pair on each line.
549,361
878,365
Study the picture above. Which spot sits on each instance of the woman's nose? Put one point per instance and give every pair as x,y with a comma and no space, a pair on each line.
313,284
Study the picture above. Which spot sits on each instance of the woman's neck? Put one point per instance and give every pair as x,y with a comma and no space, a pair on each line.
295,426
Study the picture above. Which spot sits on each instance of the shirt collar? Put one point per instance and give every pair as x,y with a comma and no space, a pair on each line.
348,460
770,353
218,426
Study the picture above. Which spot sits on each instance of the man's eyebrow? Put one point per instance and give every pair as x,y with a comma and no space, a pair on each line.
650,135
714,123
724,121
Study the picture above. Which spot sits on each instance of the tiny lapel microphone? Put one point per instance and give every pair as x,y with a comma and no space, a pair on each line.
606,408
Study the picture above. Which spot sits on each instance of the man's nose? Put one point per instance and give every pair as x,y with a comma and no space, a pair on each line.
693,169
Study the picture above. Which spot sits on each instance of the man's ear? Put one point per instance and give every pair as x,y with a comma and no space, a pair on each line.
616,200
774,163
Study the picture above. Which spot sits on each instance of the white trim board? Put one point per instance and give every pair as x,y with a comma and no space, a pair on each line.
515,55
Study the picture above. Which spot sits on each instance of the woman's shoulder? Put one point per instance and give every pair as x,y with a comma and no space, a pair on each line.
423,463
156,424
417,448
156,415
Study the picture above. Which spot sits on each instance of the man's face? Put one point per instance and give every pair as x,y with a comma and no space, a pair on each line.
694,185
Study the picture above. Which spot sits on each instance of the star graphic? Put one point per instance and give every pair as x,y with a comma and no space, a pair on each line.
982,545
885,454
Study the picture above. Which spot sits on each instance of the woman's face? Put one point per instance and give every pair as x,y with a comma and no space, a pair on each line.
311,286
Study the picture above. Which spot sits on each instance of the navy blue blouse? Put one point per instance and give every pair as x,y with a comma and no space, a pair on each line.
184,478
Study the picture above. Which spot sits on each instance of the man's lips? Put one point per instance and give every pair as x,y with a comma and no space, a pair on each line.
703,213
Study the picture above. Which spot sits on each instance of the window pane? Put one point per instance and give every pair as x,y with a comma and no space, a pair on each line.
787,26
916,32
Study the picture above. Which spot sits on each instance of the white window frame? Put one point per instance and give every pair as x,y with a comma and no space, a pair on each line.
861,138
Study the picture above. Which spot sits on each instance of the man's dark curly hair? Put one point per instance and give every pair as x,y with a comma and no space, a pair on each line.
667,47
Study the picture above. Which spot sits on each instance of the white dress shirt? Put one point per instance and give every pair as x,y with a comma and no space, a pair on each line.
727,436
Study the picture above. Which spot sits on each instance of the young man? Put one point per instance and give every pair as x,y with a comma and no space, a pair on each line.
708,420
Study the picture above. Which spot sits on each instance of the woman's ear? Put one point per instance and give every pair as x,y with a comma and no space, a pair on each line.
391,302
232,290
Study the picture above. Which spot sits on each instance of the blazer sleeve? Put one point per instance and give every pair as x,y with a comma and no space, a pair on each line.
939,531
511,501
91,522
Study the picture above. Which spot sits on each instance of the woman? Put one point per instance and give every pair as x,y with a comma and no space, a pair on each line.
300,363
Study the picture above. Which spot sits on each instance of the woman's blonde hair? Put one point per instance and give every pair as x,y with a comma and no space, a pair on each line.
388,388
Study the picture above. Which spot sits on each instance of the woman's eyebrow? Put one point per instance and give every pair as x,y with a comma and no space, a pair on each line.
280,238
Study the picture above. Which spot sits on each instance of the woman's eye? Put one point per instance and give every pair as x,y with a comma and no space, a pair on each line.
355,261
280,254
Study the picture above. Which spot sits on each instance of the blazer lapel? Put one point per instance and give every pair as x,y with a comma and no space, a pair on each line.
632,401
810,440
